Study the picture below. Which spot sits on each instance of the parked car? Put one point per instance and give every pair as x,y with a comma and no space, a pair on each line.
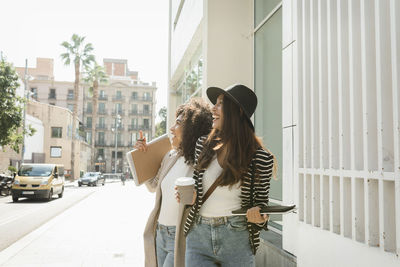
92,179
38,181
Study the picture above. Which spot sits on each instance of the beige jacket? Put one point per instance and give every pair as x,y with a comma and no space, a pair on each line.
149,235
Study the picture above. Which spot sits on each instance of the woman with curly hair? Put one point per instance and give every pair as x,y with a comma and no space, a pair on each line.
164,243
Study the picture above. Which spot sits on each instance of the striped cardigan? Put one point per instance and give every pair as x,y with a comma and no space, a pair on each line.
263,163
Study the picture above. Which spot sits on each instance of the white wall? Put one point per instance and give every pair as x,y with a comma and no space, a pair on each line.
228,43
35,143
342,159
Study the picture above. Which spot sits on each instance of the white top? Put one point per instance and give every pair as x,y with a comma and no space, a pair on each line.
223,200
169,207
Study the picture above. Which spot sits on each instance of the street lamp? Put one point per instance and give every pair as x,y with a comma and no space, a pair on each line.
26,96
117,123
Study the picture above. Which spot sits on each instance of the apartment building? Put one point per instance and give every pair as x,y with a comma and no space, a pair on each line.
326,76
44,88
126,105
55,138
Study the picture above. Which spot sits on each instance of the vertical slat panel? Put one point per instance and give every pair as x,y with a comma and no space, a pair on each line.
365,119
303,109
379,119
340,110
395,52
312,108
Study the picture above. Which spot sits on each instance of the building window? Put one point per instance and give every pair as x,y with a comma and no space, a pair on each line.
100,138
89,122
134,95
52,93
55,152
146,109
146,123
118,108
102,122
89,107
70,107
119,95
89,137
56,132
147,96
102,108
102,93
70,95
34,93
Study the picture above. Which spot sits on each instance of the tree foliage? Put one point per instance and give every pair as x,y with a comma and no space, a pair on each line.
11,108
161,127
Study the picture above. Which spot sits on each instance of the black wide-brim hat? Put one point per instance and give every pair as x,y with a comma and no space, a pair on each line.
240,94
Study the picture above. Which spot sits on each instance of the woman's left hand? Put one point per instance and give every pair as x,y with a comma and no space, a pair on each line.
253,215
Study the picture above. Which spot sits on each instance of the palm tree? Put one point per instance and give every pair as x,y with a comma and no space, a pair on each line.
79,53
94,75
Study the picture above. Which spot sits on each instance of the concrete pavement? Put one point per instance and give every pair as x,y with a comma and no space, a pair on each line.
105,229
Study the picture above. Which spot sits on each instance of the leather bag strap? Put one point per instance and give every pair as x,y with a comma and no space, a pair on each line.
211,189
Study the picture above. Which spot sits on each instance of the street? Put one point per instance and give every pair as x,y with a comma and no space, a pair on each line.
89,226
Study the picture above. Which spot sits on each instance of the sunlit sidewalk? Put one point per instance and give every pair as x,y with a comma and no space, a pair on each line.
104,229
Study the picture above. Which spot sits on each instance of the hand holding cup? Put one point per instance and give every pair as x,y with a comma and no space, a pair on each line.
185,192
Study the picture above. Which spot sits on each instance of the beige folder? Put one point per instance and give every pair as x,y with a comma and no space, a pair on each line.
145,165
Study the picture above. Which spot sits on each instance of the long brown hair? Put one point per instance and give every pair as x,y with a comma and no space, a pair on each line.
240,141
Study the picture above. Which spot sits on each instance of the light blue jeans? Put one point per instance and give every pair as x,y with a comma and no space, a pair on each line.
165,242
222,241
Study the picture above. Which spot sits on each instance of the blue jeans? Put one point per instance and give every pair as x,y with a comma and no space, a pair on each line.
165,242
222,241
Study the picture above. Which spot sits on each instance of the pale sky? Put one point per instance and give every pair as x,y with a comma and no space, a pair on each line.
136,30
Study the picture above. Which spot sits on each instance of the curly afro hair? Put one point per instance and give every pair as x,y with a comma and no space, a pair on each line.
196,122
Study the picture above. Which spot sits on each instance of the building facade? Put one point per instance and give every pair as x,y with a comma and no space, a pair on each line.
126,102
326,76
123,98
56,139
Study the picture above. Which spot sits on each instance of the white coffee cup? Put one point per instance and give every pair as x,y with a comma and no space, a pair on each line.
185,186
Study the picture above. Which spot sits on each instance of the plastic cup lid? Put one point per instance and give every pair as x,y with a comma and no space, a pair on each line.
182,181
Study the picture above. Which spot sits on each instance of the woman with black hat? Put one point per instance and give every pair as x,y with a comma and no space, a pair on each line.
234,171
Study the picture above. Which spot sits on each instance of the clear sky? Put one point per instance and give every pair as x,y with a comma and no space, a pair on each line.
136,30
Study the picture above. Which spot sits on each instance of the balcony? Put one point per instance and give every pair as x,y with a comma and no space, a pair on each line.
120,127
52,96
133,112
138,127
118,98
100,143
139,113
101,127
103,97
119,144
142,99
102,112
133,127
120,112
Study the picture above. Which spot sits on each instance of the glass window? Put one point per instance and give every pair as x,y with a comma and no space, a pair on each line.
118,108
262,8
89,107
102,93
102,107
56,132
102,121
101,137
134,95
55,152
268,87
52,93
146,109
119,94
70,107
146,123
89,137
147,95
89,122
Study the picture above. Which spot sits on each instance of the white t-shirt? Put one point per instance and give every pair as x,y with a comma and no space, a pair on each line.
223,200
169,207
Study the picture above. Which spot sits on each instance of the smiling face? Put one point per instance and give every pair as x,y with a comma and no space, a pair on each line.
217,113
176,132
